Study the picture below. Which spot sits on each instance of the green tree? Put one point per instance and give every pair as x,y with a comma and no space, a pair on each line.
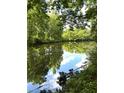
36,20
76,34
72,14
54,27
46,26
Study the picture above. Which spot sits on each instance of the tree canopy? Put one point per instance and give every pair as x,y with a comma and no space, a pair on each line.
47,19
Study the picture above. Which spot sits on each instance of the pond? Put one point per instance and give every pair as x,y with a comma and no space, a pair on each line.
46,61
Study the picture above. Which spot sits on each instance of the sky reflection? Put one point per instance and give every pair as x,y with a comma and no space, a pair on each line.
70,60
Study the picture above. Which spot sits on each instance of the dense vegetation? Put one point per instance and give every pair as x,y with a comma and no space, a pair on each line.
60,20
51,21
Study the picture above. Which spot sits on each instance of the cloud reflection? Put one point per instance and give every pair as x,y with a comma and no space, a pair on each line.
70,60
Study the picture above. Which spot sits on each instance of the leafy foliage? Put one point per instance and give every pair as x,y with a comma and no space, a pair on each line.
47,20
77,34
42,26
54,30
85,81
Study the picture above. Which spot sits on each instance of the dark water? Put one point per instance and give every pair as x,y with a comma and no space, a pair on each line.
46,61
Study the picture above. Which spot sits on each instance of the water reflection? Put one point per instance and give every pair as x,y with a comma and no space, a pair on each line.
46,61
41,59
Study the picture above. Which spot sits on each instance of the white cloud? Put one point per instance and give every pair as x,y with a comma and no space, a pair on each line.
79,64
67,60
51,83
67,57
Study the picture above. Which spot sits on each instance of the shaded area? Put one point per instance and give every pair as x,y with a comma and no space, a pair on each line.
41,59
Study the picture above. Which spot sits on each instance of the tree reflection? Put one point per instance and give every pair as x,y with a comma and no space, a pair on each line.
78,47
85,81
41,59
49,56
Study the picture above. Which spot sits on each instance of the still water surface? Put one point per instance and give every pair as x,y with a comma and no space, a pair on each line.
46,61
